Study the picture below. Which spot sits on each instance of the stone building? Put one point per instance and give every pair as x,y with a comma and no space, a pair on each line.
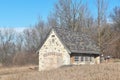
66,47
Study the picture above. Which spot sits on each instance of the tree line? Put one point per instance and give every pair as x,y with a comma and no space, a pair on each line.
20,48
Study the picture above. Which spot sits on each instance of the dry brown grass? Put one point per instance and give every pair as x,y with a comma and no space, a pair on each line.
87,72
13,70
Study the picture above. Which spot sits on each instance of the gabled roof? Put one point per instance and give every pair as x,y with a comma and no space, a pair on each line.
76,42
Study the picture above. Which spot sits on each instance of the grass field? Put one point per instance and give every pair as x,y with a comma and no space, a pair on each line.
109,71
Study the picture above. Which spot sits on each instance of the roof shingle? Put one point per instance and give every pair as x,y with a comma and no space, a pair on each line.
77,42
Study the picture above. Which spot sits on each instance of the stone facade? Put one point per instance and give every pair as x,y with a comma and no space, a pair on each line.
97,59
52,53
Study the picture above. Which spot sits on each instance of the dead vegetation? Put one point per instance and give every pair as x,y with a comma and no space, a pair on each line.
17,69
108,71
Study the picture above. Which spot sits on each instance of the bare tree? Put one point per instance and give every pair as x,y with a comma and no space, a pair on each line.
19,42
34,36
101,17
39,27
101,11
30,40
114,44
115,16
85,19
72,14
51,21
7,45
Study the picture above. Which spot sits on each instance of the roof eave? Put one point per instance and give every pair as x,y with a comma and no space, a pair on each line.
85,52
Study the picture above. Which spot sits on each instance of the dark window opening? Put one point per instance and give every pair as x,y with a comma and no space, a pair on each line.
53,35
83,58
76,58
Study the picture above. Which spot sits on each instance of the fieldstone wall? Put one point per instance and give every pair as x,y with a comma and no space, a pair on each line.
53,54
97,60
